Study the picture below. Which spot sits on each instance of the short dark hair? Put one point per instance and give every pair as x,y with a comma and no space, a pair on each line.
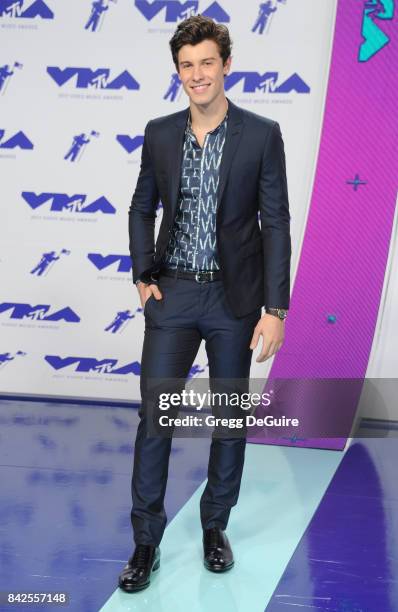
197,28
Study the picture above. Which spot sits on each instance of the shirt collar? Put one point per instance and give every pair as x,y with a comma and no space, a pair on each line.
222,123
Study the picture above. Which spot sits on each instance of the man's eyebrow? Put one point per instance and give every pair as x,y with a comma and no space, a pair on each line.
205,59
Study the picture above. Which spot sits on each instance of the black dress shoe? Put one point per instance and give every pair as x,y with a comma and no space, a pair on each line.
218,555
136,575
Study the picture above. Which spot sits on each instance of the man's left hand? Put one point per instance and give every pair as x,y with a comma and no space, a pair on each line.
272,329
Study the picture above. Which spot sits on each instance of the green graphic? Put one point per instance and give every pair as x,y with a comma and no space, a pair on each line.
374,37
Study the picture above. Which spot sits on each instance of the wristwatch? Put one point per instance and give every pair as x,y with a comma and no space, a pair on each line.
281,313
154,281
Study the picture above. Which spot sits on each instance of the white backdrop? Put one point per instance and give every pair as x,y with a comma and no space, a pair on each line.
54,314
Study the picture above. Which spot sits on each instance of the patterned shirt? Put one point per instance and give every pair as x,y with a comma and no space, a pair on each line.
192,244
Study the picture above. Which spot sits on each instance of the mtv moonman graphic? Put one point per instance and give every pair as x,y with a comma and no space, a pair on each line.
79,142
215,167
174,88
98,8
266,9
7,357
5,74
46,262
118,322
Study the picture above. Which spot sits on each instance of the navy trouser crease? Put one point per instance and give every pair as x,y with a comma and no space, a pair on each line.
188,313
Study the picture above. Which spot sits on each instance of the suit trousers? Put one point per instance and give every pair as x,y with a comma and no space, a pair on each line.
174,328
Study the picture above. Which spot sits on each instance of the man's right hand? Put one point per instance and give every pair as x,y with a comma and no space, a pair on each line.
146,291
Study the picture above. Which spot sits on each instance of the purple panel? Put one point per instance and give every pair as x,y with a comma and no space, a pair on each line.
325,407
336,296
347,559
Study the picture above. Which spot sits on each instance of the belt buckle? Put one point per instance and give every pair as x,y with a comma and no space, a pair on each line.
197,277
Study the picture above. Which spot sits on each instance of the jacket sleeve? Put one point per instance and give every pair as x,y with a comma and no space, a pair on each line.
275,221
142,214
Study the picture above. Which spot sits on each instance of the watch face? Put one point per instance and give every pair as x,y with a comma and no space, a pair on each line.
282,314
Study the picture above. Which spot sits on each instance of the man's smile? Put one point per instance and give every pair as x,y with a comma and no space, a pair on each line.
201,87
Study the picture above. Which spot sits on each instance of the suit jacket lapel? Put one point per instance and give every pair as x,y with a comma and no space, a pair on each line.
232,139
175,157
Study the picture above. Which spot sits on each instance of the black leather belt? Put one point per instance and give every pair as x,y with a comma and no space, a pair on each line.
203,276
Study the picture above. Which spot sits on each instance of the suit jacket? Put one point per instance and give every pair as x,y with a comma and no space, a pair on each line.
254,257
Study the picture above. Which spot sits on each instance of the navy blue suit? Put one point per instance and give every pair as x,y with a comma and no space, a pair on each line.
255,266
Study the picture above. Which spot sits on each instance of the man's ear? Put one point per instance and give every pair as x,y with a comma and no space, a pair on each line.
227,65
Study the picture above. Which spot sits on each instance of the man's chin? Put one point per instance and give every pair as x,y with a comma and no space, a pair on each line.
203,100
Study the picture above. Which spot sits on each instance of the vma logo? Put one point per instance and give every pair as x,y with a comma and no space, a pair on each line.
40,312
90,364
267,82
85,78
374,39
18,141
175,11
101,262
61,202
25,10
129,143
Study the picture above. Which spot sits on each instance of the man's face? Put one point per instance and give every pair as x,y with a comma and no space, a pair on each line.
201,71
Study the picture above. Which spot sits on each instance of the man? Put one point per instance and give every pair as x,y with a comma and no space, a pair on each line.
214,166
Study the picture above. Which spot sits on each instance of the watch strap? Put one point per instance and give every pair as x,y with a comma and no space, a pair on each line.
281,313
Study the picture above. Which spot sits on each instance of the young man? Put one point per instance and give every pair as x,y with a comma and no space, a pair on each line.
214,166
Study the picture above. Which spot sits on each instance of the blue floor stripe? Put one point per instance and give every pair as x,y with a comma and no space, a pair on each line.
281,489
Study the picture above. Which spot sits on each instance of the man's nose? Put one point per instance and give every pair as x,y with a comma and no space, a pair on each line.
197,73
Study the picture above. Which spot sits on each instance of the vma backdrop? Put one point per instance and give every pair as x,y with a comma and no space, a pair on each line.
79,80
